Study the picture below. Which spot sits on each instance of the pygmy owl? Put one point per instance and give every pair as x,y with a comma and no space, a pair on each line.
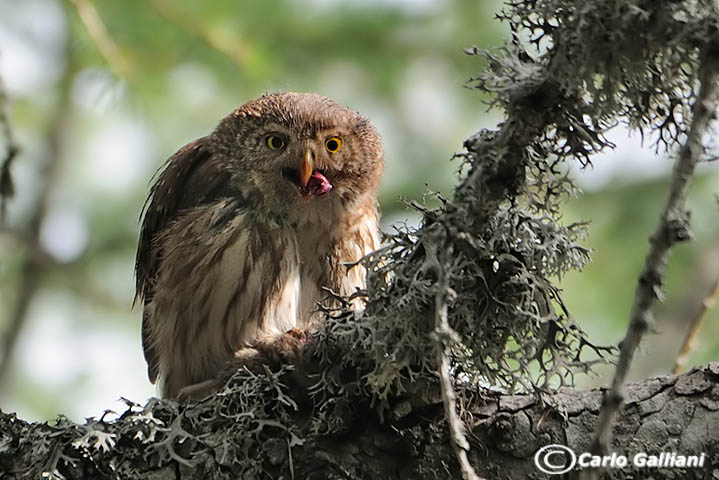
244,227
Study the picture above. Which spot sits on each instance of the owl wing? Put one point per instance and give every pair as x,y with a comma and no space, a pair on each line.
190,178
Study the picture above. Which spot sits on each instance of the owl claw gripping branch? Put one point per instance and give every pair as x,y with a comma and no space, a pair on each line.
242,231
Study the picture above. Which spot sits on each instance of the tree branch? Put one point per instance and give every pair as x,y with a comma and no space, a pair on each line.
234,50
673,227
707,304
446,338
34,264
12,148
163,440
97,30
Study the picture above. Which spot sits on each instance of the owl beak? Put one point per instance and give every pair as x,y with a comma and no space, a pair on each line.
307,165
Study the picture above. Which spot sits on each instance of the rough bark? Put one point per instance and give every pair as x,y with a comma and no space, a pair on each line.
665,414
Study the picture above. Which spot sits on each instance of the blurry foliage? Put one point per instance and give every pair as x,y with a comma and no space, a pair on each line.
623,216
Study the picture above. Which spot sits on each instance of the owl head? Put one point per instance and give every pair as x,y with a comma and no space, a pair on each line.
300,154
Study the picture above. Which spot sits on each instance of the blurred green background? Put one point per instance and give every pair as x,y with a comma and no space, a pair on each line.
103,91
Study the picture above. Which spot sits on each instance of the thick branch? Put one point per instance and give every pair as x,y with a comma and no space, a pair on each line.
679,414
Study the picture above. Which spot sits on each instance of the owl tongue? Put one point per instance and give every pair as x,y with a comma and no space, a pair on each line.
318,184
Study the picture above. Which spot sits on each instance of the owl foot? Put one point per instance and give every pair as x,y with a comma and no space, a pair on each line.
273,351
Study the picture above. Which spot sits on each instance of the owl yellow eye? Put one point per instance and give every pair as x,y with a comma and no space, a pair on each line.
333,145
275,142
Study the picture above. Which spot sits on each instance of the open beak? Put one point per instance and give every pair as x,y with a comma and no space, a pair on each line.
307,165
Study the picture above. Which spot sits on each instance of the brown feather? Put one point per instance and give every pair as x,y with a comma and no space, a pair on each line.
187,180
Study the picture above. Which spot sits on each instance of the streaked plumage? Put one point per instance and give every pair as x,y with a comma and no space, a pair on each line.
238,238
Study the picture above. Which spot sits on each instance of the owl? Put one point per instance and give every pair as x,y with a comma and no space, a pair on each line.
245,228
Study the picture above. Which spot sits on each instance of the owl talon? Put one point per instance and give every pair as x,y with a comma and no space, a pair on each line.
273,351
267,352
301,335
